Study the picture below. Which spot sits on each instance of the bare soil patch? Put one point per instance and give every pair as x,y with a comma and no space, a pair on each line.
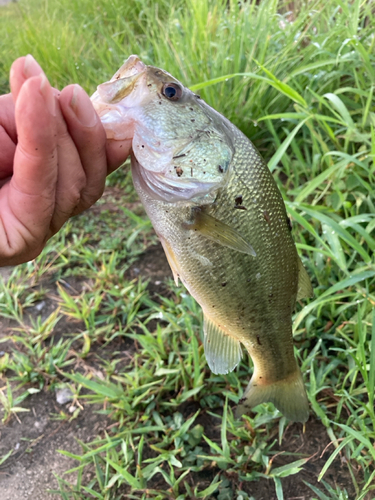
35,439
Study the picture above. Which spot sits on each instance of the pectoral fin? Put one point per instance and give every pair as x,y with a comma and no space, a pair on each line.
219,232
223,352
304,284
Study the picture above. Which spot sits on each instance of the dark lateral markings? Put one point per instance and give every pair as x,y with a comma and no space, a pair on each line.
238,203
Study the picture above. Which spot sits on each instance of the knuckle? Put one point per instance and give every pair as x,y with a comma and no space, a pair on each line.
88,198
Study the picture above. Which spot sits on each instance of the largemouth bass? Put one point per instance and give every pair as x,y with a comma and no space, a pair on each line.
223,225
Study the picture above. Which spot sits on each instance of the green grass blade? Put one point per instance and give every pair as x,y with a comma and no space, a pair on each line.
371,381
272,164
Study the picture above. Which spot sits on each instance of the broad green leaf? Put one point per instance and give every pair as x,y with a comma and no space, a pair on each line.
289,469
90,454
208,491
334,243
320,494
95,494
104,388
278,488
284,87
131,480
5,457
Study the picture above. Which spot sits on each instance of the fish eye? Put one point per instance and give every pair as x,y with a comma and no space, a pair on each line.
172,91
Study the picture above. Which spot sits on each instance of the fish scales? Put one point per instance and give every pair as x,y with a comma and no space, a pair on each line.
257,291
222,222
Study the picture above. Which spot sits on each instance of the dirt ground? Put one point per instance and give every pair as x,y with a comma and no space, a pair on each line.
31,470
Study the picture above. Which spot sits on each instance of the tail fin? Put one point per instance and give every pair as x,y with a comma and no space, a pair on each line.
288,395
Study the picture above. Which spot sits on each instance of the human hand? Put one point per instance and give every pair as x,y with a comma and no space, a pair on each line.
54,158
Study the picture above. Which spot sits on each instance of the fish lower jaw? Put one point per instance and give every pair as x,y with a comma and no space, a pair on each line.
125,132
117,126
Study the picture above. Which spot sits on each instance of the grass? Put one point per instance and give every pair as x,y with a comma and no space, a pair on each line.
298,78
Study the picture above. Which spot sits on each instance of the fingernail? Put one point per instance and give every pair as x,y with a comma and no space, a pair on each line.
31,67
82,107
47,93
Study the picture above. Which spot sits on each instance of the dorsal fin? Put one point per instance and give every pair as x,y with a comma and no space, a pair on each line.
223,352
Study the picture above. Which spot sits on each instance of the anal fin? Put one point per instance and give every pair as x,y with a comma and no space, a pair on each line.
223,352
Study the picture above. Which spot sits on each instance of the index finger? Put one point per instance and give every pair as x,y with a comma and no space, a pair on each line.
35,159
23,68
27,201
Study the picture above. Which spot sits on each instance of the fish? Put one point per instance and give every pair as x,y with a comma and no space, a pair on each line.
222,222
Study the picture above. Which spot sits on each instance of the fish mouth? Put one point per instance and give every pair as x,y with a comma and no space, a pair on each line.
128,86
132,66
123,82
